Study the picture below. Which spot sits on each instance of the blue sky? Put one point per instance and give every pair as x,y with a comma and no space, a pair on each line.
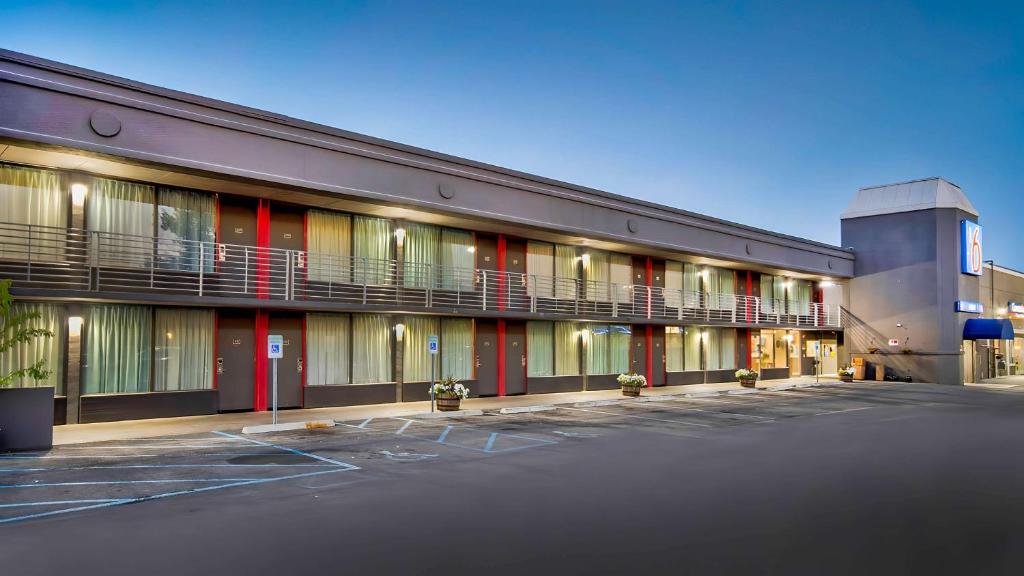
771,114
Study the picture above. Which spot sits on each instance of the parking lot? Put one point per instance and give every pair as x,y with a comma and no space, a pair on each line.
562,475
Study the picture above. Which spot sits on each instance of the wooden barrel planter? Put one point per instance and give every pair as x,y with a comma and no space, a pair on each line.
846,377
748,382
631,391
445,404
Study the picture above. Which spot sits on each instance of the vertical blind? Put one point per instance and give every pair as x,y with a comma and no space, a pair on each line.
117,342
327,349
371,349
457,348
186,230
122,208
329,244
417,358
182,349
52,317
371,249
32,197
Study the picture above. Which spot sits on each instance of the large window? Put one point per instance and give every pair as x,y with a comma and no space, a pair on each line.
540,268
720,348
720,288
183,349
124,211
457,348
608,349
682,285
552,349
597,271
329,244
32,197
770,349
566,272
371,349
118,349
186,229
372,251
458,259
683,348
437,257
51,317
347,349
420,255
417,358
455,345
773,294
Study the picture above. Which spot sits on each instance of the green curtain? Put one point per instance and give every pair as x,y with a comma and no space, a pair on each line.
327,349
722,289
620,275
329,246
691,286
371,349
727,348
372,251
540,349
32,197
182,349
456,348
417,359
540,267
673,284
566,274
803,297
768,294
596,271
598,349
186,230
458,259
713,345
117,349
422,242
567,349
52,317
692,351
619,343
674,349
125,211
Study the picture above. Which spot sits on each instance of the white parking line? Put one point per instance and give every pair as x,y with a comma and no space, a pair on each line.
640,417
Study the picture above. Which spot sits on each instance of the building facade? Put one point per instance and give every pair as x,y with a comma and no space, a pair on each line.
163,236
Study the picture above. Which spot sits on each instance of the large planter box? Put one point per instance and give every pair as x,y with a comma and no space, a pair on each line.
26,419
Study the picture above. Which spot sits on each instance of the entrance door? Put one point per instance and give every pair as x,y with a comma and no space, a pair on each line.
236,349
638,350
515,358
287,231
236,256
289,368
487,357
658,369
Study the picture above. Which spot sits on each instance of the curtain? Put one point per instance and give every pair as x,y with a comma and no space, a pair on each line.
458,259
713,345
328,246
327,349
371,249
619,355
123,212
117,349
417,359
566,274
540,349
722,289
457,348
540,266
692,351
186,230
420,256
598,349
621,276
567,349
673,284
767,294
371,349
691,286
674,349
52,317
727,348
31,197
596,271
182,349
803,297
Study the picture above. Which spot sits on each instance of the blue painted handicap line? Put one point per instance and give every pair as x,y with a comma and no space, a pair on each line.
481,440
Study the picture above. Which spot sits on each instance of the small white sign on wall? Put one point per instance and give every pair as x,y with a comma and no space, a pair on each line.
894,342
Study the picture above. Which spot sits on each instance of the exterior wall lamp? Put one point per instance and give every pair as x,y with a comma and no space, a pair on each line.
75,325
78,192
399,331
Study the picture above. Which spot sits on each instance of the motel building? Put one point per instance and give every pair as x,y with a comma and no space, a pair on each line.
163,236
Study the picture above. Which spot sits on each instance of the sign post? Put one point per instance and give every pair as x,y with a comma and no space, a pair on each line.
432,348
275,350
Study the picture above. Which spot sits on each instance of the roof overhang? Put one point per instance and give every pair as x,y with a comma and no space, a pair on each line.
988,329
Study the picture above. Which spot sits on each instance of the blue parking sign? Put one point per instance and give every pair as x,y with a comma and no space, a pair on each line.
275,346
432,344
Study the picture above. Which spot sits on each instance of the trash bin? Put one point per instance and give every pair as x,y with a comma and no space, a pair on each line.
880,372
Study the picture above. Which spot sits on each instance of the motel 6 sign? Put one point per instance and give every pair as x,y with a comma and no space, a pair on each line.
970,248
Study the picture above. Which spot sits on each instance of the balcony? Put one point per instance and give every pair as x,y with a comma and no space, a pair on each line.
70,262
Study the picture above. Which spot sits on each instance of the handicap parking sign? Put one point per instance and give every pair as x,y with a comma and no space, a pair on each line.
275,346
432,344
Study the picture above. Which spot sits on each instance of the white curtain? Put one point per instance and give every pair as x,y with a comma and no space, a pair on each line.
727,348
417,358
804,290
721,289
598,349
674,349
329,246
186,230
566,274
327,349
713,345
673,284
420,254
621,276
456,348
540,349
371,349
567,349
117,344
458,259
692,352
371,250
596,271
52,317
123,213
691,286
540,267
183,349
32,197
620,344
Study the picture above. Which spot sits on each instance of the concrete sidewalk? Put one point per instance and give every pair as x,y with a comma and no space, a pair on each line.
158,427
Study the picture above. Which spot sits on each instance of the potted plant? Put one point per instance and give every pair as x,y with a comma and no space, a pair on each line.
846,374
631,383
26,414
449,394
746,377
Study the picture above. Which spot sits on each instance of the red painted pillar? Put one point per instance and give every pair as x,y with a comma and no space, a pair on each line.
260,385
262,252
501,357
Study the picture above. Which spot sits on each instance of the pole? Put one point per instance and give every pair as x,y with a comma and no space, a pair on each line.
432,356
275,391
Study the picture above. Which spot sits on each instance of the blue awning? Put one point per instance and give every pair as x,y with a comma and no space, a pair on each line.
988,329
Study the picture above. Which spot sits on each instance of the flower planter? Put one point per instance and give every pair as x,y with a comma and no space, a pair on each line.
446,404
748,382
846,377
633,391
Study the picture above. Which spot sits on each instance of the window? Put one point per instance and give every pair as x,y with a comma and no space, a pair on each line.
456,348
682,348
437,257
123,213
673,284
329,244
773,294
51,317
566,272
721,289
720,348
770,350
567,349
597,271
621,276
417,359
420,255
540,268
183,349
186,231
608,349
371,349
802,303
328,349
371,251
117,355
458,259
32,197
540,349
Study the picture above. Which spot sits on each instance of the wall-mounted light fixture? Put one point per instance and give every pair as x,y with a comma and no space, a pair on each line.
400,235
471,249
399,331
826,284
78,192
75,325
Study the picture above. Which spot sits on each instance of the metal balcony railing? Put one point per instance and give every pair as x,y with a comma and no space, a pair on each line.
45,258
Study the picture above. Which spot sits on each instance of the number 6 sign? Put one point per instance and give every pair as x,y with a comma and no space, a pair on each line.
970,248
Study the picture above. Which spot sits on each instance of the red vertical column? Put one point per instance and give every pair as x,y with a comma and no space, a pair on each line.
501,357
260,353
262,252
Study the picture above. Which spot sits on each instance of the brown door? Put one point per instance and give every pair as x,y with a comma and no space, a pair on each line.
658,357
287,230
289,368
638,350
236,254
236,358
515,265
515,358
486,357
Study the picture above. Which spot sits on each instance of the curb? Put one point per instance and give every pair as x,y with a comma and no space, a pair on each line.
438,415
263,428
661,398
743,391
522,409
595,403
